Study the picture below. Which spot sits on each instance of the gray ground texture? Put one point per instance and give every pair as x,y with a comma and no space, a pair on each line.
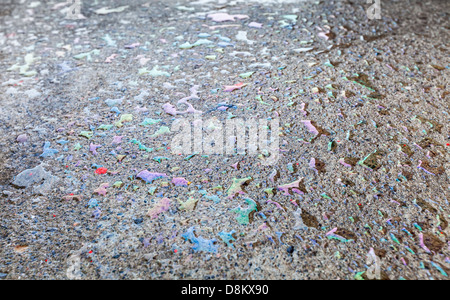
82,116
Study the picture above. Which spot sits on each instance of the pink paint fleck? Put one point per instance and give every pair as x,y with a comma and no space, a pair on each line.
230,88
255,25
93,148
162,206
117,140
179,181
222,17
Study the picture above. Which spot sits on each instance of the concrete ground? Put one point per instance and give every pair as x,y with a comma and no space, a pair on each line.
86,121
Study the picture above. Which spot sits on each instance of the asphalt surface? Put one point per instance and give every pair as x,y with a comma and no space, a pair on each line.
86,125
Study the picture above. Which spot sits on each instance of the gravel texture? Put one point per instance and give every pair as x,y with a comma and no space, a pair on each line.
91,189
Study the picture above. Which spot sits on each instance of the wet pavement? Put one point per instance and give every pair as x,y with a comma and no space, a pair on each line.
91,184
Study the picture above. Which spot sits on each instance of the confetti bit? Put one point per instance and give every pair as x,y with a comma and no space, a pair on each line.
24,69
290,167
171,110
102,189
92,203
160,158
370,162
325,196
246,75
332,146
317,165
152,190
243,216
222,17
439,268
348,162
179,181
394,238
101,171
275,203
118,184
107,10
109,59
227,237
117,140
361,80
149,177
149,121
310,127
187,158
331,235
124,118
326,35
296,187
259,98
87,55
155,72
425,165
141,146
314,129
189,205
299,225
410,250
417,226
200,243
328,63
422,244
93,148
213,198
235,166
303,109
230,88
105,127
303,49
87,134
48,152
77,147
162,206
269,192
162,130
273,176
236,187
